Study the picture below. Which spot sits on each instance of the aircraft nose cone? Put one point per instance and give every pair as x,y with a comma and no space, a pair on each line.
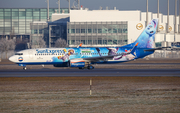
11,59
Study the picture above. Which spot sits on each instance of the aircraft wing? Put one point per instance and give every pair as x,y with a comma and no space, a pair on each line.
100,58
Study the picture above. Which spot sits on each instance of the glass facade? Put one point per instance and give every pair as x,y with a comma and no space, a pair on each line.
38,30
56,31
31,24
97,33
50,32
18,20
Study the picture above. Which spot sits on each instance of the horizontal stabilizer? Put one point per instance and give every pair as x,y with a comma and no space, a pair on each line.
153,49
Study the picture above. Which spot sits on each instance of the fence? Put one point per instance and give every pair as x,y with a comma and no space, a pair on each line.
165,54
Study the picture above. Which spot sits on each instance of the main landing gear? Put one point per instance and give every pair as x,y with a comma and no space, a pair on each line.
90,67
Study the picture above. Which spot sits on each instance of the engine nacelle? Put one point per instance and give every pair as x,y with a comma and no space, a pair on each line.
77,63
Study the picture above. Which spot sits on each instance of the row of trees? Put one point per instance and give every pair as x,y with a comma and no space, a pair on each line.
60,43
6,46
40,43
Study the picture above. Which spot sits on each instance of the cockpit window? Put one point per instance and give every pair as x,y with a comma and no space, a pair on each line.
18,53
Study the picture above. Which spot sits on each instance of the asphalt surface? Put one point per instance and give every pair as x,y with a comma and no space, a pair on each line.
96,72
159,67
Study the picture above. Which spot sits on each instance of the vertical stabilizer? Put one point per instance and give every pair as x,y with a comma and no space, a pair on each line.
146,39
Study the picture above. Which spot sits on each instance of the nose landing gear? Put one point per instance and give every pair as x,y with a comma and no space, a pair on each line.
24,68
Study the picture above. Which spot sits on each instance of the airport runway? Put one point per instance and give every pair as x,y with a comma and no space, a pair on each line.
96,72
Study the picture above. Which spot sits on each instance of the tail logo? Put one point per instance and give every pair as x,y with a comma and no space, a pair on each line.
161,28
139,26
170,28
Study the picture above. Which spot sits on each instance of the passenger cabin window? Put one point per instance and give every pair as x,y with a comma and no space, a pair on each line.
18,53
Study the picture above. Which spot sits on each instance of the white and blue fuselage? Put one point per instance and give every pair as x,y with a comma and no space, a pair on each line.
64,57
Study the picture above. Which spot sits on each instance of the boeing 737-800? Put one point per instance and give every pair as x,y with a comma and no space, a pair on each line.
85,57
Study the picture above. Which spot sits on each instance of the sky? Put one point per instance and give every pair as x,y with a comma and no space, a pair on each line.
95,4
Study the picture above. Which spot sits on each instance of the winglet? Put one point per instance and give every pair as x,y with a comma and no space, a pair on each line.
79,46
134,48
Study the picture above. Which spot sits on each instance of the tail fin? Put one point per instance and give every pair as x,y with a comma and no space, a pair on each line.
146,39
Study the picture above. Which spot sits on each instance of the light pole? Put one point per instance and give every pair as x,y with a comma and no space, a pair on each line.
69,6
59,5
175,27
47,10
179,16
147,13
158,17
168,18
79,4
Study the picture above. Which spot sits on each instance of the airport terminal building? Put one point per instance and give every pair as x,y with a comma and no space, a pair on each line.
116,28
93,28
17,23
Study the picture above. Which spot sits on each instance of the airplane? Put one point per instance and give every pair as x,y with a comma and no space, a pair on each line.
85,57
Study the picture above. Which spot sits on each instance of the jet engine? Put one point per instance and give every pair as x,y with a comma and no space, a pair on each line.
77,63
